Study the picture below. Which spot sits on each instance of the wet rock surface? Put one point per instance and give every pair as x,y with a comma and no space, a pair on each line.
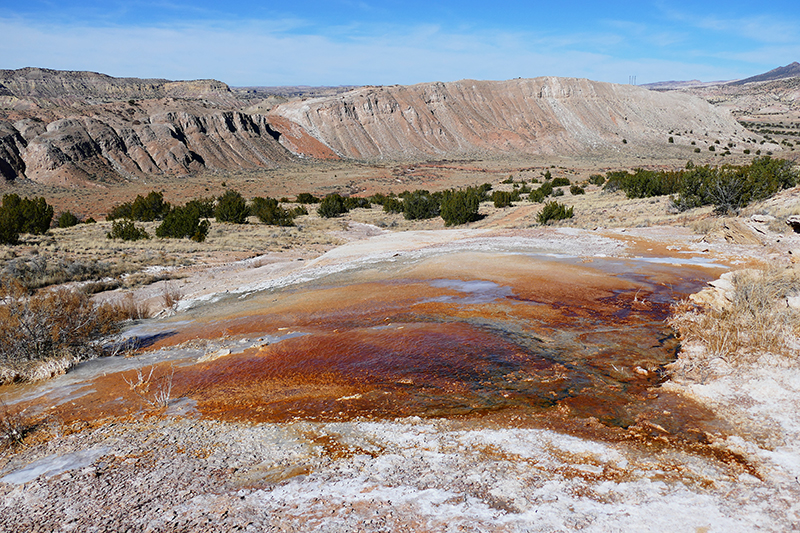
101,459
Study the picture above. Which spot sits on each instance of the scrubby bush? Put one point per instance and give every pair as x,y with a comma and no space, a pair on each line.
42,270
420,204
307,198
269,211
127,231
204,206
143,208
728,187
554,211
49,324
393,205
184,222
460,207
504,198
576,189
597,179
331,206
544,190
356,202
560,182
67,220
231,207
23,215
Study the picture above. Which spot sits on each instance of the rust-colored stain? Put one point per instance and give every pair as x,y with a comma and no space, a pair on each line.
473,335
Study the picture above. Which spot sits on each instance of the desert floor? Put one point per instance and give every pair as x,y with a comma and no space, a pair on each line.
369,373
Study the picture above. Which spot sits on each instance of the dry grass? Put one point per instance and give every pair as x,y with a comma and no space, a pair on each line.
170,296
13,427
754,320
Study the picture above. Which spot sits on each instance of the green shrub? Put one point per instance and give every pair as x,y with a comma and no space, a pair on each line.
184,222
392,205
728,188
560,182
67,220
90,220
143,208
544,190
127,231
576,189
204,206
307,198
420,204
503,198
597,179
23,215
231,207
460,207
331,206
269,211
356,202
553,211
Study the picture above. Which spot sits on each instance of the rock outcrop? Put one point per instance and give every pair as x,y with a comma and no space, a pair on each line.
39,87
77,149
531,116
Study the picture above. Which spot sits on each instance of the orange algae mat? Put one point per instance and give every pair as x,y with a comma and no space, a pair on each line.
462,334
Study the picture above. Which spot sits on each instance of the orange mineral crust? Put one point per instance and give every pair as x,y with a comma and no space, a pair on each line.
462,334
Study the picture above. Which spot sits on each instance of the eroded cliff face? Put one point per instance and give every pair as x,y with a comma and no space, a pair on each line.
113,145
28,88
73,128
533,116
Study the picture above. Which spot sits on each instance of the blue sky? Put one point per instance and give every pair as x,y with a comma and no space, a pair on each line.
352,42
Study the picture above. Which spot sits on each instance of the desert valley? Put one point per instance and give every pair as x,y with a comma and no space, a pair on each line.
543,304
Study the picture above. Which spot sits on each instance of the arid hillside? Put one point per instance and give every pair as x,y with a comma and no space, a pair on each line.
531,116
28,88
74,129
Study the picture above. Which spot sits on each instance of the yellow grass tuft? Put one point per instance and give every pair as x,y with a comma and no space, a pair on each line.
754,319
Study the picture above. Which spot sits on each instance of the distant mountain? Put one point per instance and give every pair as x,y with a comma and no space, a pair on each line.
780,73
671,85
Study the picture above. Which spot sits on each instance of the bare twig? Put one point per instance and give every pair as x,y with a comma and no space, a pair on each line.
156,392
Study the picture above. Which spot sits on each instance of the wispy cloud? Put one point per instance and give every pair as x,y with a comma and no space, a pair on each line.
761,28
293,50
